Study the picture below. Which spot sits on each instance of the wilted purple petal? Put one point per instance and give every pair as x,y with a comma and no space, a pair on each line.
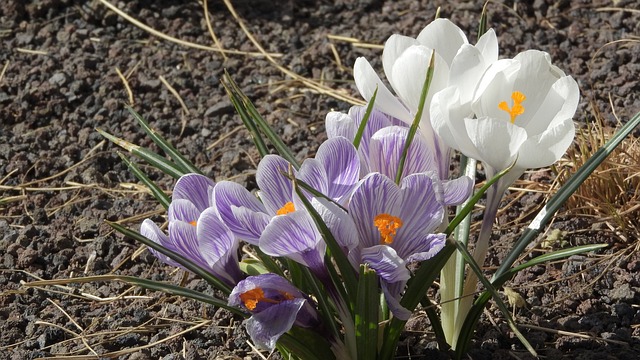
275,188
392,294
340,160
196,188
427,247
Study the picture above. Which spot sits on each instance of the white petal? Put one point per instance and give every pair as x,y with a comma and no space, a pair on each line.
497,141
339,124
395,46
466,70
367,81
444,36
410,72
488,46
546,148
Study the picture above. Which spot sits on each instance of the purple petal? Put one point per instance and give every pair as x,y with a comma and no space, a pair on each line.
240,210
195,188
150,230
386,262
457,191
184,238
294,236
266,327
340,124
275,188
183,210
427,247
386,150
267,282
340,160
218,247
339,223
391,294
313,173
375,194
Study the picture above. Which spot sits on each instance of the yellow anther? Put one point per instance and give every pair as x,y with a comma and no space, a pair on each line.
517,108
388,226
251,298
194,223
287,208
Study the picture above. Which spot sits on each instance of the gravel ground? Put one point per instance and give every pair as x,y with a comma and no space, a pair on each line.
59,61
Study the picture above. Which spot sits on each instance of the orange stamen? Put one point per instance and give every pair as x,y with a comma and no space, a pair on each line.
287,208
252,297
388,226
517,108
194,223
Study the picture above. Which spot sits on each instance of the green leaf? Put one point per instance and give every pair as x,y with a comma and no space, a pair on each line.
149,156
157,193
462,248
417,287
228,83
366,314
253,267
188,264
147,284
416,120
365,120
180,161
306,344
255,118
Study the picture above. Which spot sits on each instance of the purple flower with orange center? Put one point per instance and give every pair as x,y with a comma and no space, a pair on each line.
396,225
333,172
196,232
276,306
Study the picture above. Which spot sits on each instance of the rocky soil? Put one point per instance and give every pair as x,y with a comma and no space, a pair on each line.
59,180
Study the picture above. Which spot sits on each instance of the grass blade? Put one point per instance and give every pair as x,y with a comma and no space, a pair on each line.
180,161
157,193
365,120
149,156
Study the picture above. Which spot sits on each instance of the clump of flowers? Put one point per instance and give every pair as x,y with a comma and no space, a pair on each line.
330,239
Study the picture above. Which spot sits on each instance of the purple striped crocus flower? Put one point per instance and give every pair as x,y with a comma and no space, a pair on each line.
196,232
333,172
275,306
396,225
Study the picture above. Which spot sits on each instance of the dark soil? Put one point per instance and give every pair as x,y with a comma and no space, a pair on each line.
60,83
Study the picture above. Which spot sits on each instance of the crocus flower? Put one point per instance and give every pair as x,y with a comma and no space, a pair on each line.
524,109
406,62
381,149
196,232
276,306
396,225
333,172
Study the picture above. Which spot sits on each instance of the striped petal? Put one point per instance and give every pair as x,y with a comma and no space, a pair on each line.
196,188
275,188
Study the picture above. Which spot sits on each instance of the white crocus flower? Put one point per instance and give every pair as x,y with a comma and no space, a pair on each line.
406,62
524,111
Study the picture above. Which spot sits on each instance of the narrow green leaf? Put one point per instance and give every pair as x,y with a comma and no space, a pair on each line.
147,284
149,156
180,161
253,267
436,326
366,314
349,280
556,202
244,116
494,293
305,345
482,25
189,265
365,119
257,119
417,287
416,120
157,193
